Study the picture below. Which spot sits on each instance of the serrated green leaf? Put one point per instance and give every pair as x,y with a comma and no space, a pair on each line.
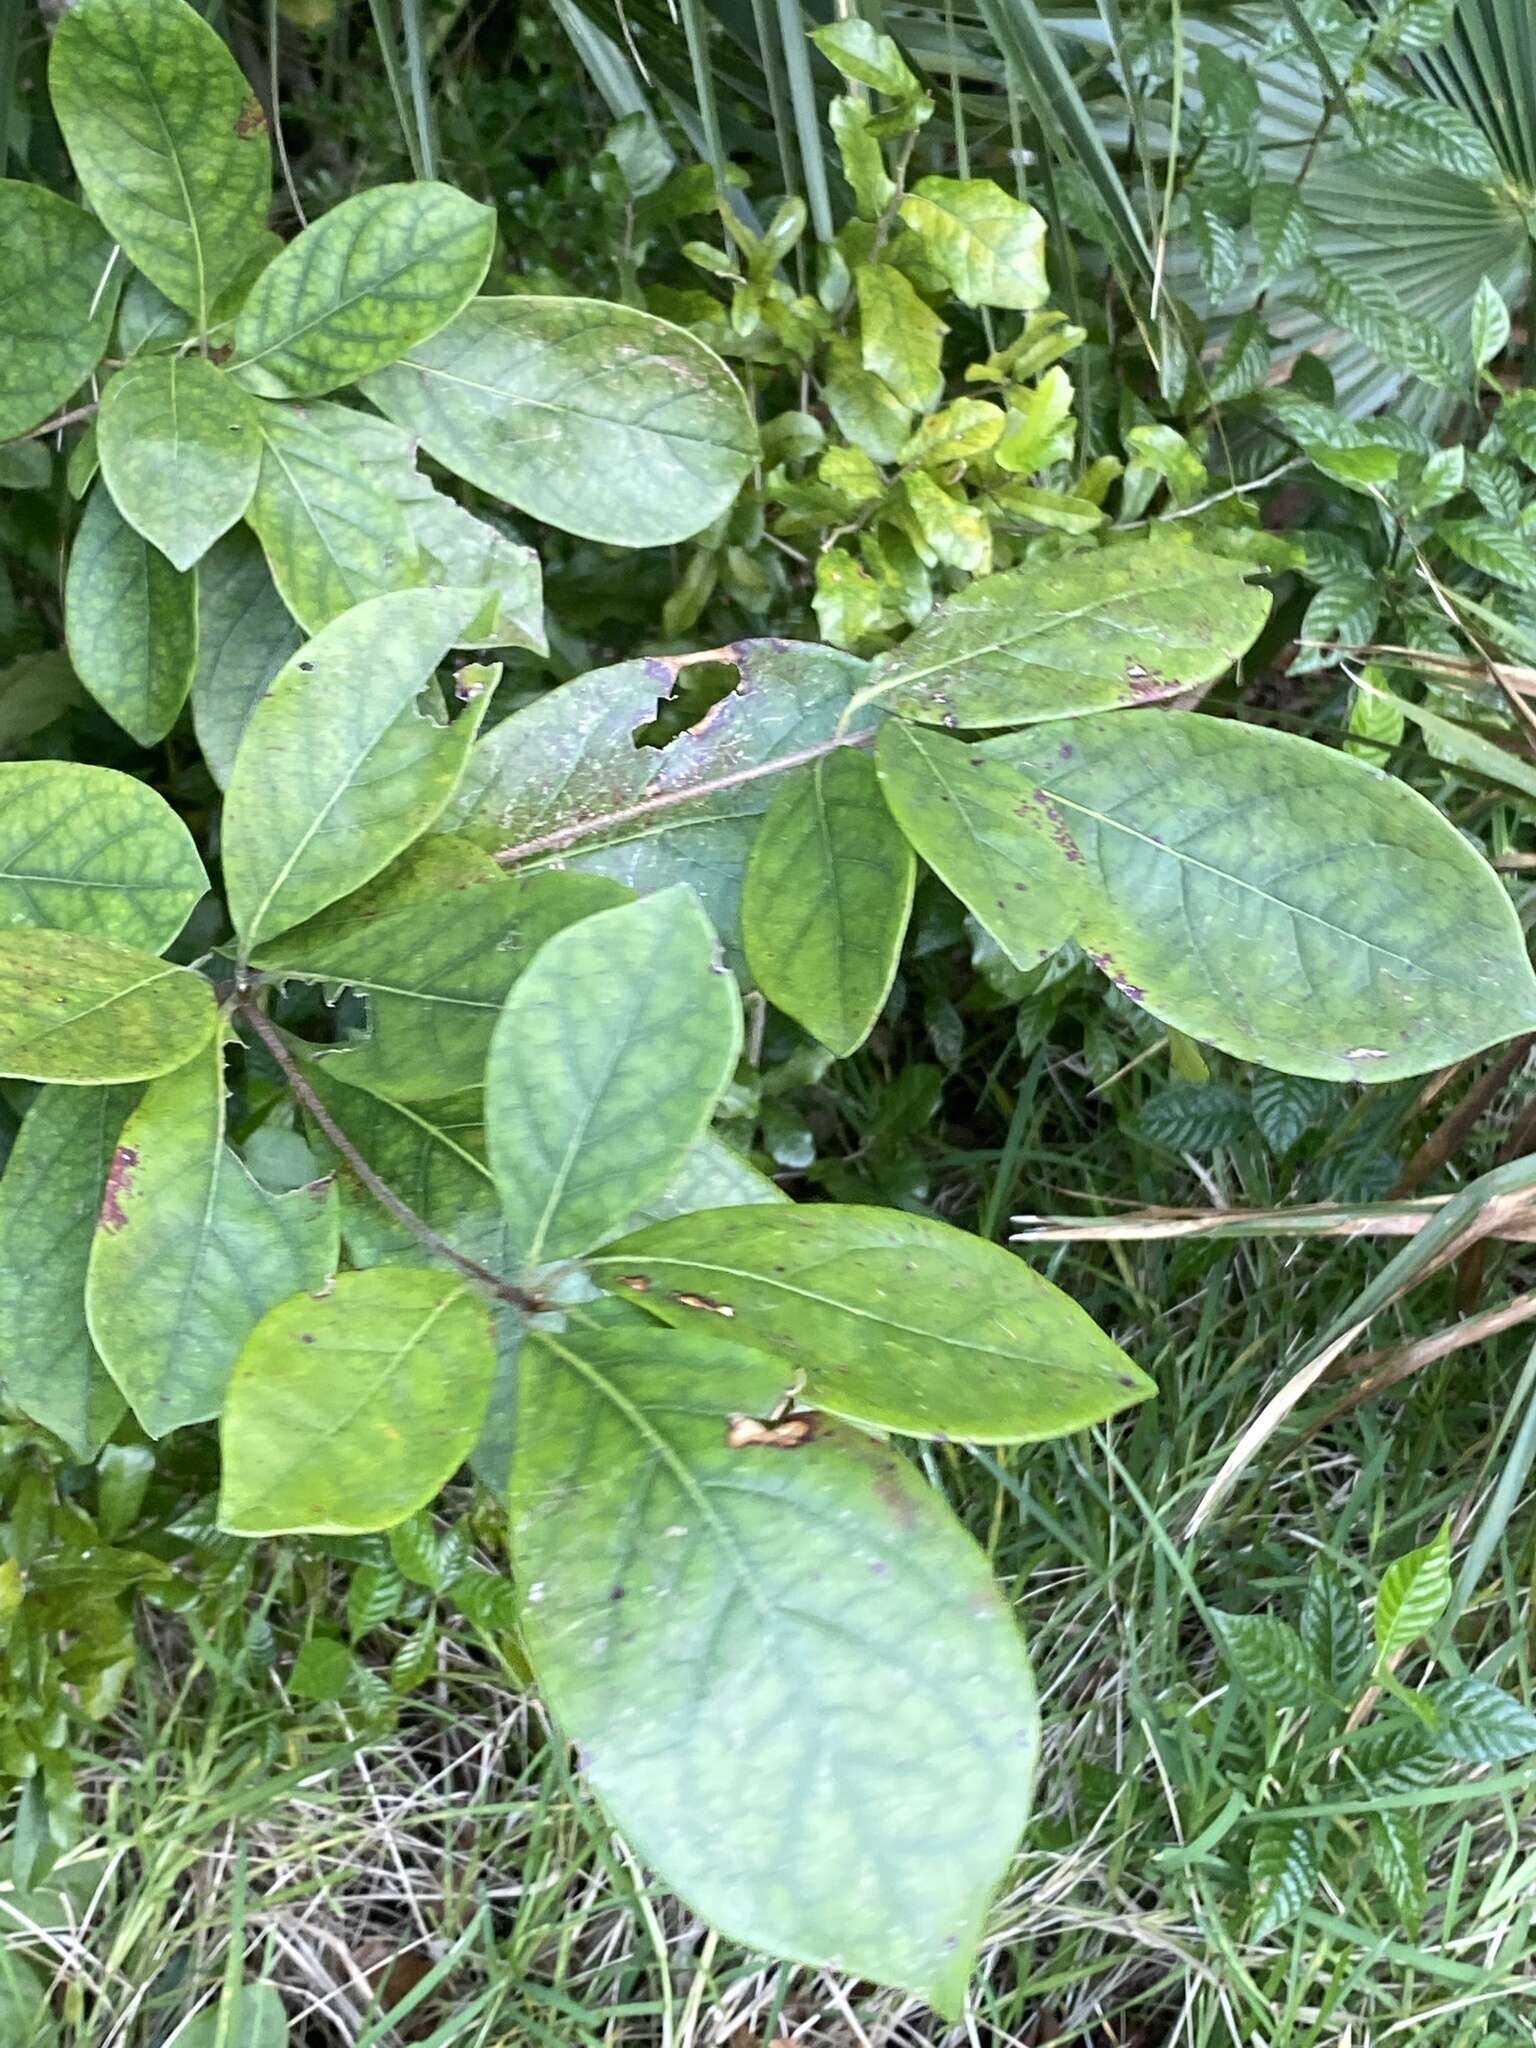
88,1011
333,538
131,622
1282,1873
901,339
1397,1853
350,1412
1415,1591
1397,1756
826,899
581,1128
60,297
417,1551
602,420
189,1252
1124,624
49,1197
890,1319
167,139
245,635
180,451
1473,1721
1270,1659
989,246
689,1605
339,770
91,851
1180,852
1286,1106
361,286
373,1598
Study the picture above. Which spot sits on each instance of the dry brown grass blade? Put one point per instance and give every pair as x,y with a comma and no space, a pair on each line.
1397,1362
1514,1222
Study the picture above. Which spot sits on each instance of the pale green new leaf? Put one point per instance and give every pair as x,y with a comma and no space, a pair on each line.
180,451
95,852
604,1069
602,420
167,139
827,895
332,536
130,619
901,339
1282,1873
989,245
1415,1591
1181,852
861,52
49,1197
190,1252
245,634
56,308
339,769
1128,623
350,1412
379,273
90,1011
885,1318
702,1618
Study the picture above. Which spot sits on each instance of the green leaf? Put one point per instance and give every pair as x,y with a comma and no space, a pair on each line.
1286,1106
889,1319
190,1252
49,1197
1473,1721
350,1412
333,538
1180,852
1128,623
1282,228
827,895
1415,1591
180,451
863,407
1270,1659
901,339
693,1611
565,779
1486,545
92,851
468,554
1334,1630
131,622
323,1670
1282,1873
599,419
863,160
167,139
88,1011
361,286
245,634
1489,323
253,2015
604,1069
988,245
1397,1852
1406,135
436,974
861,52
61,290
339,770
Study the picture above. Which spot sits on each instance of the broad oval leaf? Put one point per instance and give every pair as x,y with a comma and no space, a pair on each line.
90,1011
377,274
901,339
190,1252
180,451
703,1620
131,622
604,1069
350,1411
599,419
332,536
1255,890
167,139
61,289
245,634
50,1193
987,244
886,1318
95,852
1124,624
338,770
826,899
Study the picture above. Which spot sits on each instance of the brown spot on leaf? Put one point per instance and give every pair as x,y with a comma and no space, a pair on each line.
704,1301
749,1432
119,1183
252,120
640,1282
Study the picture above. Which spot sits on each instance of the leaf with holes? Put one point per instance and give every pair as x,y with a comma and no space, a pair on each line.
91,851
90,1011
245,634
350,1412
61,289
895,1320
167,139
598,419
131,622
190,1252
180,451
702,1618
581,1128
827,895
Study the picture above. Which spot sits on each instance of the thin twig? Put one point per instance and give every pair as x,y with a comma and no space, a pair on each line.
519,1297
1257,483
58,422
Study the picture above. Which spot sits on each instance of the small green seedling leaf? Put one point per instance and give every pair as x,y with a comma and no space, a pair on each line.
1415,1591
